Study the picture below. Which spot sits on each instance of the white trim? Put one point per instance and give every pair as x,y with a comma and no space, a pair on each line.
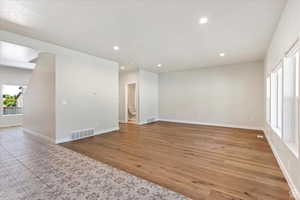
145,122
142,123
63,140
107,130
122,121
212,124
10,125
293,187
36,134
277,131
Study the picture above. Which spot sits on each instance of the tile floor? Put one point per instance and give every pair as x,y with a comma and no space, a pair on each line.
31,169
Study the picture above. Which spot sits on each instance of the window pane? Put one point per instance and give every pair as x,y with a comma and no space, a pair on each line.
12,97
274,95
290,100
268,93
279,103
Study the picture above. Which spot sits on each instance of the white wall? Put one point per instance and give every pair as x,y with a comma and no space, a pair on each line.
124,79
148,96
39,112
287,32
87,84
12,76
227,96
86,95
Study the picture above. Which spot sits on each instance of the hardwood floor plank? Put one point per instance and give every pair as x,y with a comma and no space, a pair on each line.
201,162
215,195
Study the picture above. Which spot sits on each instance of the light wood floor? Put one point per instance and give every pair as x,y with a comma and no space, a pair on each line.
201,162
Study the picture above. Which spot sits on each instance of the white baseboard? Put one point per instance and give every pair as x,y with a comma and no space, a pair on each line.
36,134
212,124
10,125
293,188
60,141
142,123
146,122
122,121
107,130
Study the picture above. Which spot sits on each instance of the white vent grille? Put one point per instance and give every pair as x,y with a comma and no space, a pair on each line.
82,134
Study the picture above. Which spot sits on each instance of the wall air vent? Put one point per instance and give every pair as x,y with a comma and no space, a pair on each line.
78,134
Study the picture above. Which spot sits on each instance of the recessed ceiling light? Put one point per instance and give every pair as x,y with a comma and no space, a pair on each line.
122,67
222,54
203,20
159,65
116,48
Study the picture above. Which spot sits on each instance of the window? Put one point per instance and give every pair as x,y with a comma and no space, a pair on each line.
268,99
291,100
12,99
279,97
282,96
275,92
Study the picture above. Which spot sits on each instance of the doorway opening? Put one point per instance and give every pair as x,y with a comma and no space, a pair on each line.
17,64
131,103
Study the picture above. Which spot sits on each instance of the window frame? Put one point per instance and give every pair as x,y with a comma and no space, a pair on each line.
278,130
280,127
268,99
292,141
292,52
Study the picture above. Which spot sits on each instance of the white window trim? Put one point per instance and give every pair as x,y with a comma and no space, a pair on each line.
294,147
268,89
279,132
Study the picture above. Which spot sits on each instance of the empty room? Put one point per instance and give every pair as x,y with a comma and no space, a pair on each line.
149,100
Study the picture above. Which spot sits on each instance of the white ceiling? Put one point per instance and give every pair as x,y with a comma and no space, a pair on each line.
15,52
150,32
12,55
